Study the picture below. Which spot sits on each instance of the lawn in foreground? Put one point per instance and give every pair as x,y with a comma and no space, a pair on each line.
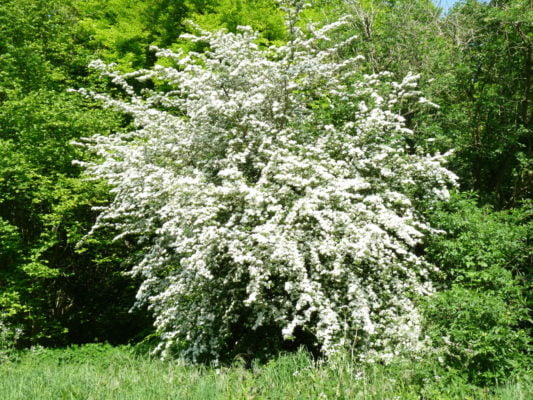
106,372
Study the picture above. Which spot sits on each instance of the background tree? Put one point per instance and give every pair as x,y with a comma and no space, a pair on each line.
486,105
57,294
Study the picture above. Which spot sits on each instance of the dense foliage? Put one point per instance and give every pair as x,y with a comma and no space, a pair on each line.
481,315
53,292
474,62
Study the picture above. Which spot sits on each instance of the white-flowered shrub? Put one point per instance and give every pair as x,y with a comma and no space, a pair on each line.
276,194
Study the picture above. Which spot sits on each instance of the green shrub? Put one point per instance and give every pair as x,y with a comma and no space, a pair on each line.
8,340
480,315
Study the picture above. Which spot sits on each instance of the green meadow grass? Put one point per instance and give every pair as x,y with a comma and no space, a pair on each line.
105,372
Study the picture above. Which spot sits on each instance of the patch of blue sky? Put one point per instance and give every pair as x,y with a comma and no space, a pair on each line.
446,5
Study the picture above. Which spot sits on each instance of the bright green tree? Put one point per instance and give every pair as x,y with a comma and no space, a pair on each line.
486,106
47,286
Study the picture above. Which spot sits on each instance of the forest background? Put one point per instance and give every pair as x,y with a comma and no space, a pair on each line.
474,62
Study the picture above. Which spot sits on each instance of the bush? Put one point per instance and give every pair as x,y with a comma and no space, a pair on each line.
277,198
8,340
481,315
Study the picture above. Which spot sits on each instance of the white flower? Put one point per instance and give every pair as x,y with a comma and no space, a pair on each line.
257,213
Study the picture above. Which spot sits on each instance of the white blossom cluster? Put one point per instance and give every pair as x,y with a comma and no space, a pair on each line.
273,188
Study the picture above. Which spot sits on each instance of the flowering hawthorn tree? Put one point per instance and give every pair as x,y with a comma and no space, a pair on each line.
275,192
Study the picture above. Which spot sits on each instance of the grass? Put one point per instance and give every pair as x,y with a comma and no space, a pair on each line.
95,372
